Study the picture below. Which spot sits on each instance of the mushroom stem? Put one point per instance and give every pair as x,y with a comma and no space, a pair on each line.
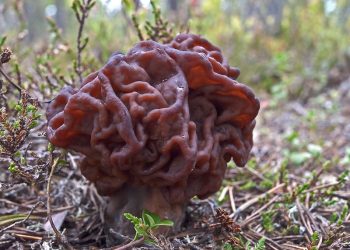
134,200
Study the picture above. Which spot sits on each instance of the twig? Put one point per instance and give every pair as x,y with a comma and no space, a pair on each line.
272,244
321,187
255,173
59,236
48,191
81,9
232,200
256,199
312,221
288,237
29,237
137,27
24,220
257,212
300,210
131,244
320,242
294,246
10,81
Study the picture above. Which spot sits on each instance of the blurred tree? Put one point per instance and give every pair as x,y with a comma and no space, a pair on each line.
61,14
344,14
34,12
172,5
137,4
267,14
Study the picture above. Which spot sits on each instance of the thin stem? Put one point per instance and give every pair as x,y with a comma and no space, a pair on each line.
48,191
79,47
59,236
25,219
131,244
81,16
10,81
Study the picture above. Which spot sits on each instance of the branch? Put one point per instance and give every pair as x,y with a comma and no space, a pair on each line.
81,9
10,81
59,236
131,244
24,220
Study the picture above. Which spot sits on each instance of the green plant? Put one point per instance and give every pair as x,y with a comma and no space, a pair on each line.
343,215
260,245
145,225
15,128
159,31
227,246
267,221
346,159
315,237
81,9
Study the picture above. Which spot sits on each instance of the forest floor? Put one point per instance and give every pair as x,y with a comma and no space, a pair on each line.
294,193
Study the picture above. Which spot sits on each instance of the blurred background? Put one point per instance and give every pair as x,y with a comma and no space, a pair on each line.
287,48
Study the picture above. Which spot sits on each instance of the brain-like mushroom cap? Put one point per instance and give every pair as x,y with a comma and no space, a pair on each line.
167,116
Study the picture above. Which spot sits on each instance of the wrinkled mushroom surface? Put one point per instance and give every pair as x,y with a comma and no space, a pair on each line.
163,117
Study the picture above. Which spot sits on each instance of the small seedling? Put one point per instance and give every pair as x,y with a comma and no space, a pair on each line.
146,224
267,221
315,238
260,245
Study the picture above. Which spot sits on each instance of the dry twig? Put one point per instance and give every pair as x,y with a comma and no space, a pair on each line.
81,9
60,238
130,245
24,220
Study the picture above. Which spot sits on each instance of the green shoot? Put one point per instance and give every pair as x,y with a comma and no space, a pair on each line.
145,225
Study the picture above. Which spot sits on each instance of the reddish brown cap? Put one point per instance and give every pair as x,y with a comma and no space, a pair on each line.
163,115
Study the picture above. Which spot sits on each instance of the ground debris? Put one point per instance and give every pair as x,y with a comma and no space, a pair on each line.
294,192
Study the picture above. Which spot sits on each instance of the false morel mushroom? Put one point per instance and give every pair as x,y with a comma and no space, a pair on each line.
157,126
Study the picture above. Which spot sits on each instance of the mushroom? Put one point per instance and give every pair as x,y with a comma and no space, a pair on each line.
157,126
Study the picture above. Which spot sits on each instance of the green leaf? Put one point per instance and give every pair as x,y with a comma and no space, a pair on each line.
302,187
343,176
267,221
16,124
343,215
92,4
75,5
33,124
334,217
144,225
231,164
140,231
2,41
315,238
17,154
50,147
133,219
247,246
148,220
154,216
12,168
260,245
167,223
128,6
314,149
227,246
9,219
31,108
85,42
18,107
299,158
